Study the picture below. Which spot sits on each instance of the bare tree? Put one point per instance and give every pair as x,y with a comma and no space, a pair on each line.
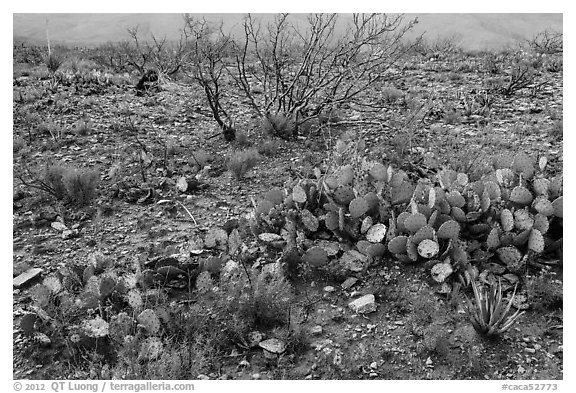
209,47
304,72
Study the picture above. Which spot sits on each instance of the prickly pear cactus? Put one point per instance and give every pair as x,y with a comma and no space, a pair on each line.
149,321
204,283
316,256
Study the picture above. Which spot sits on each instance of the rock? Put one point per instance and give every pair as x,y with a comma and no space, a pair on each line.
272,347
26,277
350,281
365,304
256,376
329,289
316,330
203,377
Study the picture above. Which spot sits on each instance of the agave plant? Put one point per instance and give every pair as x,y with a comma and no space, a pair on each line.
490,317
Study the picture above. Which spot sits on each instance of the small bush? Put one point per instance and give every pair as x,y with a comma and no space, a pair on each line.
199,158
53,62
556,129
240,162
269,147
278,125
72,185
391,94
83,127
242,139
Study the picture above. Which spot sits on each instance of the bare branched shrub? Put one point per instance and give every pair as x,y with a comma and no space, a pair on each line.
303,71
547,42
208,49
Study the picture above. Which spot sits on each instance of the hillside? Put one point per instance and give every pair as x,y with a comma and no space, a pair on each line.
473,31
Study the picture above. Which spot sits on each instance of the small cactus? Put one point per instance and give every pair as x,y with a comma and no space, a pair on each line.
428,248
449,230
398,245
204,283
510,256
414,222
309,220
358,207
376,233
536,241
521,195
507,220
426,232
493,239
343,195
316,256
298,194
149,320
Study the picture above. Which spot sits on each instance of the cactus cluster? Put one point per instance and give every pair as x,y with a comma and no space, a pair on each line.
506,217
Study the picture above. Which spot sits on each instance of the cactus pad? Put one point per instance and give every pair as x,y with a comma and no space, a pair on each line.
412,249
507,220
149,320
343,195
107,285
523,220
367,222
376,233
505,177
455,199
414,222
316,256
299,194
536,241
401,220
543,206
376,250
521,238
428,248
541,223
509,256
523,165
204,283
541,186
358,207
521,195
363,245
493,239
379,172
331,182
426,232
345,175
449,230
458,214
557,204
555,188
493,190
309,221
331,221
398,245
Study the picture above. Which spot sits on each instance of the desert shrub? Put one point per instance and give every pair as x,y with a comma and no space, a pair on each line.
83,127
240,162
278,125
390,94
80,185
200,158
242,139
72,185
547,42
269,147
556,129
53,62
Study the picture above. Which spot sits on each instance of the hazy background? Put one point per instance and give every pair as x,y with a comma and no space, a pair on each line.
472,31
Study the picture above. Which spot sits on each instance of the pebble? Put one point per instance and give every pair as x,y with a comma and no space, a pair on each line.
256,376
530,350
373,365
316,330
203,377
329,289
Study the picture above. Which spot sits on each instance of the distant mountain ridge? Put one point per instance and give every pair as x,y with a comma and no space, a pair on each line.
472,31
